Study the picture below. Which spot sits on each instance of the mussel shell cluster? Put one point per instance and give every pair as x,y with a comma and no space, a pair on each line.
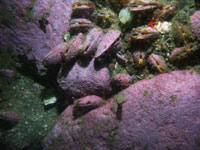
91,41
95,43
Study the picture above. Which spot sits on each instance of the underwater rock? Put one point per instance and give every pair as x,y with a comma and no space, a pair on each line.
121,80
84,79
195,24
9,116
159,113
36,28
54,57
53,18
85,104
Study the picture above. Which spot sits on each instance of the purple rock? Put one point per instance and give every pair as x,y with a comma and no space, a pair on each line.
9,116
122,80
84,80
86,104
54,57
57,15
159,114
38,27
195,24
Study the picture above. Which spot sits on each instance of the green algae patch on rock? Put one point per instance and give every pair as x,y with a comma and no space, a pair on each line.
197,141
146,91
173,98
6,17
30,11
119,99
110,140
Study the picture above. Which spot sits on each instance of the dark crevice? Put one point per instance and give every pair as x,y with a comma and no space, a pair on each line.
43,22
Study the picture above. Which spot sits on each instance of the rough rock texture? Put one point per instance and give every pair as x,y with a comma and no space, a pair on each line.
86,104
195,24
57,13
34,27
54,57
121,80
84,79
161,113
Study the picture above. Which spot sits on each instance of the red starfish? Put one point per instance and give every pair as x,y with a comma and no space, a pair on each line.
152,23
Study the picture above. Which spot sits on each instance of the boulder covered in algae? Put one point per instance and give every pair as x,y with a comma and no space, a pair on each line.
195,24
34,28
161,113
84,78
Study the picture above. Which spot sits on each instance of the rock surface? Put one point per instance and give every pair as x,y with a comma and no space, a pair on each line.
86,104
84,79
161,113
33,28
121,80
195,24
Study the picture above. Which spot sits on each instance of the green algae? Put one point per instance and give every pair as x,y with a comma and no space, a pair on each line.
23,96
110,140
7,57
119,99
160,101
197,142
146,91
173,98
6,17
30,11
195,69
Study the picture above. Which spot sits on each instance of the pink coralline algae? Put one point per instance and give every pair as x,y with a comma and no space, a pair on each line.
195,24
161,113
